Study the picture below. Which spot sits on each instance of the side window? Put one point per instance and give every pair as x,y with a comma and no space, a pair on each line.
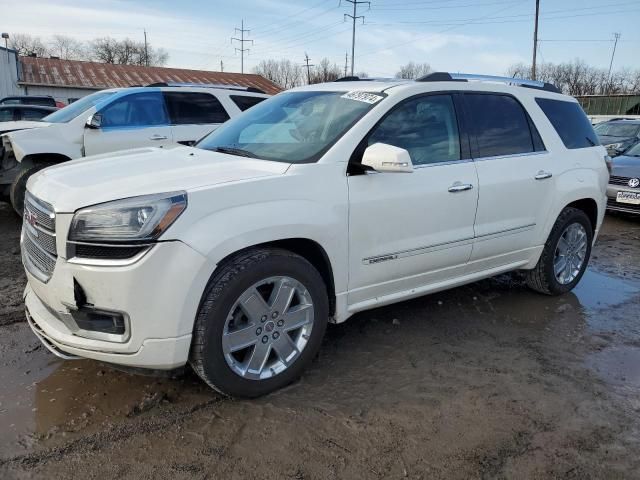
425,126
570,121
500,125
244,102
6,115
135,110
194,108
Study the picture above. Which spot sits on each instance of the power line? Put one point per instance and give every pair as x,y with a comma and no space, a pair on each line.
242,42
354,17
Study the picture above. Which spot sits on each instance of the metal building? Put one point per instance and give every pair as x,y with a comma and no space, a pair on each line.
68,80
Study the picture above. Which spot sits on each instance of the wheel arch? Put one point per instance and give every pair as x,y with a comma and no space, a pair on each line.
590,207
308,249
38,158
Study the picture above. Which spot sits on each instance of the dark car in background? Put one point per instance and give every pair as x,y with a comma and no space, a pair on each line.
44,100
623,192
618,135
18,112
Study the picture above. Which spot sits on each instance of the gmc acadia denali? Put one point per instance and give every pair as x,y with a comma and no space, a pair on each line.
318,203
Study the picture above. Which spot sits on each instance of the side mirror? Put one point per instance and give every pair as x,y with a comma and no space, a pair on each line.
94,121
387,158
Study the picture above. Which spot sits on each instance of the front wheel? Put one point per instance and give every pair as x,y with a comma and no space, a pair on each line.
565,255
260,323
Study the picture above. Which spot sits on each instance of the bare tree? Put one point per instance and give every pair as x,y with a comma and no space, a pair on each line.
283,73
579,78
68,48
413,70
127,52
325,72
26,44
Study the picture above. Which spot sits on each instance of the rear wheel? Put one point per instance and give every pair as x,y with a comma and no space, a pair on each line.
260,323
19,186
565,255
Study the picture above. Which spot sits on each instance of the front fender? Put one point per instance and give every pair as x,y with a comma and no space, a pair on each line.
26,143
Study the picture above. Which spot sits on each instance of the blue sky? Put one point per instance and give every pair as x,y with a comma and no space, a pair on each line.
480,36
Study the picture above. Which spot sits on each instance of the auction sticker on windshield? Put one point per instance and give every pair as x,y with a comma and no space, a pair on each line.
365,97
628,197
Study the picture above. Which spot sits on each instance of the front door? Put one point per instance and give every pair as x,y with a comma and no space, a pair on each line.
408,230
135,120
515,173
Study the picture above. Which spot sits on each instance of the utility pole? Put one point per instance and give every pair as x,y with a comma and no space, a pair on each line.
346,61
306,60
615,44
242,42
535,41
221,66
146,49
354,17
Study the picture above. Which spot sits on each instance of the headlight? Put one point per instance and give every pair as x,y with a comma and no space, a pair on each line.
131,221
614,146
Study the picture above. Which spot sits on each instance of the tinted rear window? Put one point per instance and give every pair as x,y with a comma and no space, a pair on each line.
570,122
245,101
500,124
194,108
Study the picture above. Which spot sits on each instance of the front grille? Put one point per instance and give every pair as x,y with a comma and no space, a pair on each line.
39,238
622,181
111,252
612,204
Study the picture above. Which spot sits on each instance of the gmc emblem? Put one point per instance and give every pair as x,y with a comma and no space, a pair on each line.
30,217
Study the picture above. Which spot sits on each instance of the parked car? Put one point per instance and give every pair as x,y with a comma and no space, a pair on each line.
321,202
19,117
16,113
118,119
623,192
44,100
618,135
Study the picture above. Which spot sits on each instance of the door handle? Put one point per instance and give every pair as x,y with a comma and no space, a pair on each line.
460,187
542,175
158,137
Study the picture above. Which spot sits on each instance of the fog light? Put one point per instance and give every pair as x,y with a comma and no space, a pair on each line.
102,321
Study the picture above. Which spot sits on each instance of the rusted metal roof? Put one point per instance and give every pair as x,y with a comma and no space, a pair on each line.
54,72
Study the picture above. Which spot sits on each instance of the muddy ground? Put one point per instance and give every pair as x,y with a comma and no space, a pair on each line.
484,381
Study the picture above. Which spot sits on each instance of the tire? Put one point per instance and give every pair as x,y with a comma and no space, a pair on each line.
231,373
543,278
19,186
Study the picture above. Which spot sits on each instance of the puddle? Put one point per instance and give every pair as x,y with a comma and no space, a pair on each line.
599,291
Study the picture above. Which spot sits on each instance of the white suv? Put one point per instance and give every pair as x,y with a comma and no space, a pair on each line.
117,119
318,203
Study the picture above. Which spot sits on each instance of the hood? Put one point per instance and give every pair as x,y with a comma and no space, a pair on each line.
626,166
101,178
21,125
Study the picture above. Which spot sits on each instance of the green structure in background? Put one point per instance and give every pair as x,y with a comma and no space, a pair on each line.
610,104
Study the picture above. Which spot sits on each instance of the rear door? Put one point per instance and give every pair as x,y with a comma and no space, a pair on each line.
135,120
193,115
515,175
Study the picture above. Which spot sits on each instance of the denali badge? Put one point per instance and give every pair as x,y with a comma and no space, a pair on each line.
634,182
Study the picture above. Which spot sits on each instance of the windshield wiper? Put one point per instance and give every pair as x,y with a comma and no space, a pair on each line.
235,151
591,142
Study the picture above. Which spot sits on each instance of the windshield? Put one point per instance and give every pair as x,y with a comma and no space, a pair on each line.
78,107
295,127
617,129
633,151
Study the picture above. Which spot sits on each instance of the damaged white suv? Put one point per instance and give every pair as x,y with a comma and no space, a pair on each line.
318,203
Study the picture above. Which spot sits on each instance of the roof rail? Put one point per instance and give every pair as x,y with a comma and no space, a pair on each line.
223,86
368,79
469,77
